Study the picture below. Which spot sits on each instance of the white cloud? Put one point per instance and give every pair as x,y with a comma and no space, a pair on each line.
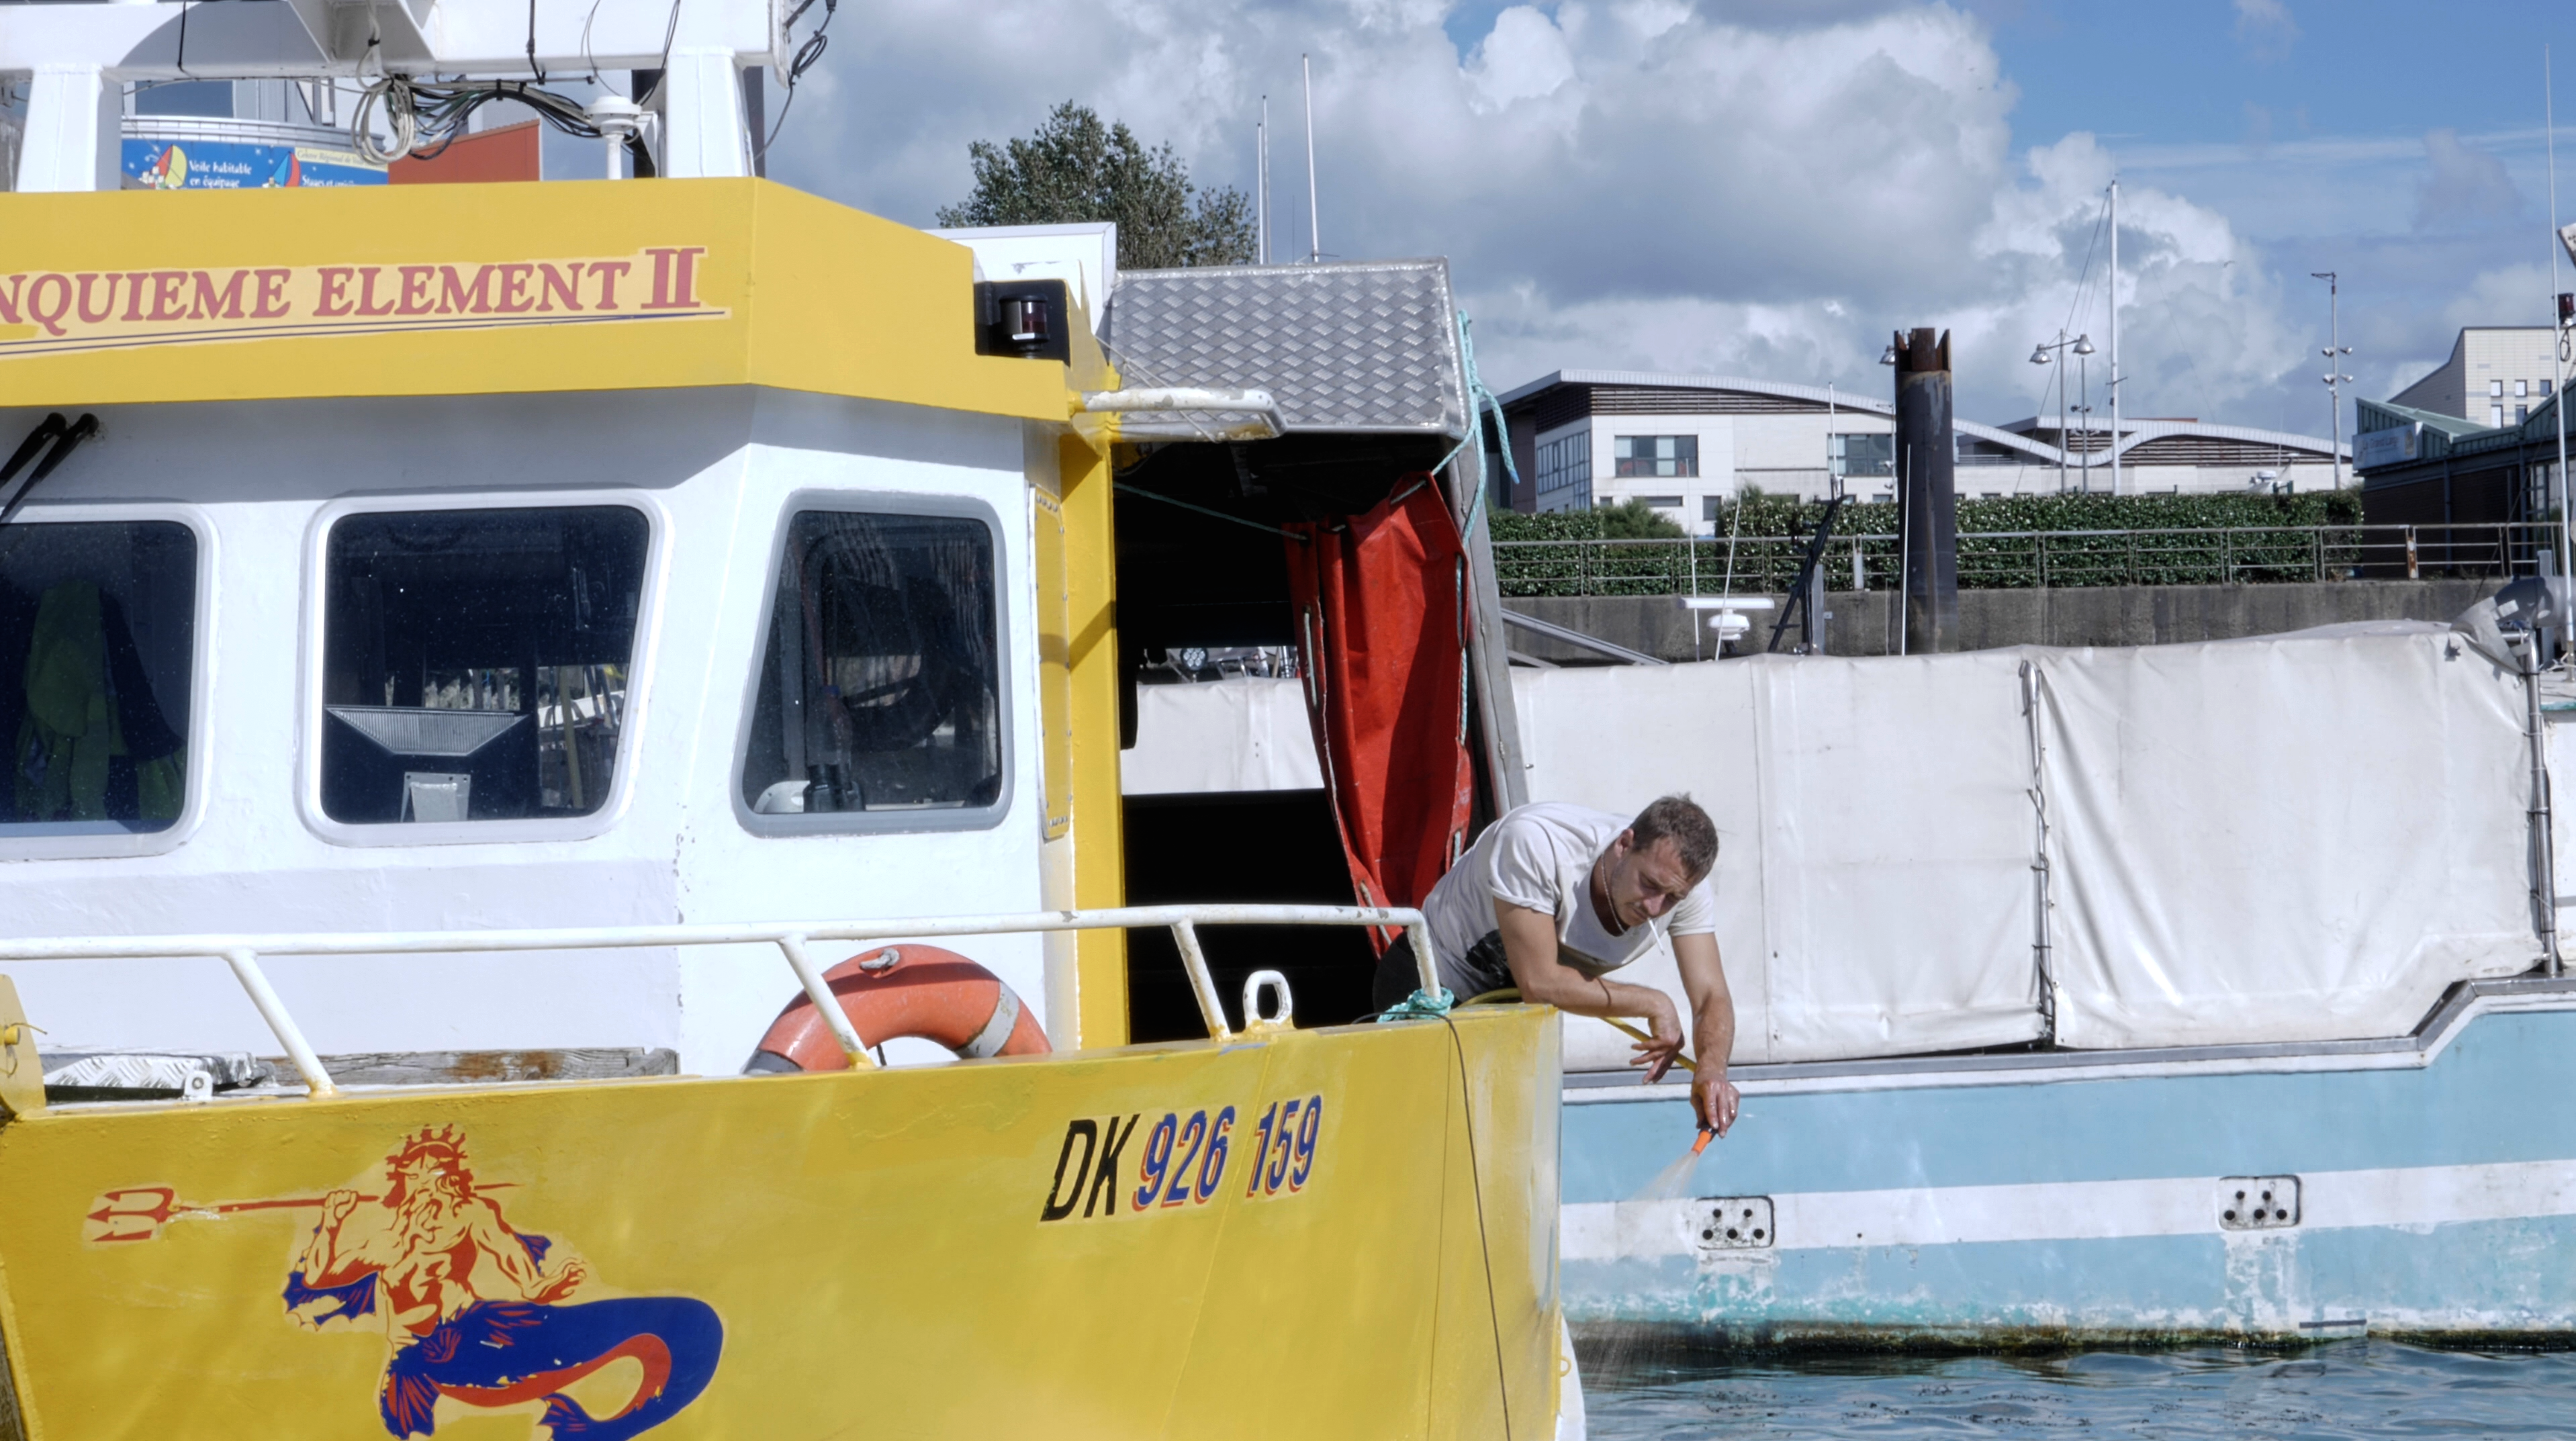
2466,185
2506,295
1524,58
2265,28
1761,187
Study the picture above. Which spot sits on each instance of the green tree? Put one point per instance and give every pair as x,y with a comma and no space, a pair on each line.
1076,169
1635,520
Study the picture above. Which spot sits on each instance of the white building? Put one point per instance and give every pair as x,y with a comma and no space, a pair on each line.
2497,375
2173,455
1687,443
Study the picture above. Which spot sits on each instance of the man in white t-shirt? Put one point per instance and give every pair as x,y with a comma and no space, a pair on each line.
1552,898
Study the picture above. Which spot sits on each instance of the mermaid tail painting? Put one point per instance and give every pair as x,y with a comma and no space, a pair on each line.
476,1312
502,1353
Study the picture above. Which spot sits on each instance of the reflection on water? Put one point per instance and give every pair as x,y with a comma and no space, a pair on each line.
2347,1389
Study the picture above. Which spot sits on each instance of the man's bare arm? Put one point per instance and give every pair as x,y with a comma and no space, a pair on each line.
1529,946
1712,1028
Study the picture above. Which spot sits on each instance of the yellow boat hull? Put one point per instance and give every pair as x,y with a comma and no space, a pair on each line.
918,1253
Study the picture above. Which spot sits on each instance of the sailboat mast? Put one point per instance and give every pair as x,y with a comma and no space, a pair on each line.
1314,223
2115,337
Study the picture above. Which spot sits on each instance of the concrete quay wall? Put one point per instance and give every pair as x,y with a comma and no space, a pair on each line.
2064,616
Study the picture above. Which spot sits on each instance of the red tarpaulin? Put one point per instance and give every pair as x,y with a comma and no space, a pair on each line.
1382,632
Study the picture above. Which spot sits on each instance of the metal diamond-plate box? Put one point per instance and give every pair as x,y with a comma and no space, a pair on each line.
1364,347
151,1071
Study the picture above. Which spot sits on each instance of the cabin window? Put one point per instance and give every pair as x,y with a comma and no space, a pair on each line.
879,702
475,662
98,629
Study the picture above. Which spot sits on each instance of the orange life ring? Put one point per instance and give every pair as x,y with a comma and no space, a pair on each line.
893,991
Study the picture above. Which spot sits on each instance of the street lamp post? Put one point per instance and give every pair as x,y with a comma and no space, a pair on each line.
2084,403
2335,379
2040,355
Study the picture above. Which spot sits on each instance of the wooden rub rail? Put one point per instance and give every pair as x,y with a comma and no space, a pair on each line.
242,953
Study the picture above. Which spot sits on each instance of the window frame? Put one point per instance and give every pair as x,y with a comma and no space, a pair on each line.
1839,459
310,719
1621,466
1569,469
192,810
890,822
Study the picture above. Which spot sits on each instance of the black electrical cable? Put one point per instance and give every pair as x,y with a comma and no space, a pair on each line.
1484,1237
670,32
807,55
1484,1241
442,113
534,68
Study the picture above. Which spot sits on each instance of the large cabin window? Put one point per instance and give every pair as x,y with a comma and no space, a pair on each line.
98,625
475,662
879,703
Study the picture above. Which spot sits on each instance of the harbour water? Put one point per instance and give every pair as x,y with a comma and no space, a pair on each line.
2352,1389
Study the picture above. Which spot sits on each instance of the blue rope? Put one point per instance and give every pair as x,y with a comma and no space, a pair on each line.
1479,400
1420,1006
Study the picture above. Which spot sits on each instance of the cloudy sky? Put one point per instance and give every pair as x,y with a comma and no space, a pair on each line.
1768,187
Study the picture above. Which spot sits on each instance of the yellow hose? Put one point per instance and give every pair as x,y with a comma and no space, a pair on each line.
1509,993
1678,1058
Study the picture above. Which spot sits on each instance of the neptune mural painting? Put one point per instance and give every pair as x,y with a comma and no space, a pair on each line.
482,1313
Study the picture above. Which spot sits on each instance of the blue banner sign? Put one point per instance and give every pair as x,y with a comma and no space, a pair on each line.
233,165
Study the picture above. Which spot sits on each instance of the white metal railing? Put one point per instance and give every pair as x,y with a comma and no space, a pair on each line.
242,952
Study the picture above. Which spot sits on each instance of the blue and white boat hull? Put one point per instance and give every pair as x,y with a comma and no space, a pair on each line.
2422,1186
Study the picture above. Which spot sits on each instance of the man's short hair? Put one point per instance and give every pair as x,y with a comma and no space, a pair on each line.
1679,820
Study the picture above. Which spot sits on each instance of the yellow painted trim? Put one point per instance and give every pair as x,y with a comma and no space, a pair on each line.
22,1071
1100,864
792,292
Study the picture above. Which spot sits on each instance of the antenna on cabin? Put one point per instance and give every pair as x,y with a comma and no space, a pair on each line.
1261,187
1314,223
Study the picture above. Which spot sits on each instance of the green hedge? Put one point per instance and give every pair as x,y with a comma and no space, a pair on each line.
1787,515
2225,538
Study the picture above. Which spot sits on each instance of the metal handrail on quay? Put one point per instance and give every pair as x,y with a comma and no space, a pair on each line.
242,952
2023,559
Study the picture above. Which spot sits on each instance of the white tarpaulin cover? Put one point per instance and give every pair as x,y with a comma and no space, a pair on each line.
2283,838
1226,735
1875,838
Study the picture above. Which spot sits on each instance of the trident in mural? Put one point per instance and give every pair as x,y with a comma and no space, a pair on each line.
478,1311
